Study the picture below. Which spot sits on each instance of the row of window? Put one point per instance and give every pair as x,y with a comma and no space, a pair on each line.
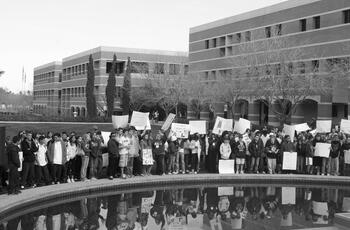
49,76
74,92
43,93
269,32
291,68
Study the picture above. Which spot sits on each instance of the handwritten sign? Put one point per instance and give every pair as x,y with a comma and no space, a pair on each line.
147,158
120,121
289,161
347,156
345,126
168,121
301,127
323,126
221,125
225,191
289,130
322,150
105,136
320,208
140,120
241,126
199,127
226,166
180,130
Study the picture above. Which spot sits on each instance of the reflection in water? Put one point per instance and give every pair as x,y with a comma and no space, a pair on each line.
194,208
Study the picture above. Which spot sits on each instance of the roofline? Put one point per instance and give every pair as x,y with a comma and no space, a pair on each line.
252,14
126,50
54,63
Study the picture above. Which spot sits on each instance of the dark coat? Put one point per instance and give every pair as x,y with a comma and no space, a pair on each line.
13,157
28,150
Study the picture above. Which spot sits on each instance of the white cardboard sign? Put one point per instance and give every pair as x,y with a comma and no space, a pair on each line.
323,126
289,161
140,120
180,130
288,195
168,121
226,166
242,125
120,121
322,150
289,130
199,127
345,126
221,125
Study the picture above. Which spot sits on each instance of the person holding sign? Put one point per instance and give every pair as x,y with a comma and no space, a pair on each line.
256,147
159,153
147,155
287,146
195,147
272,150
124,145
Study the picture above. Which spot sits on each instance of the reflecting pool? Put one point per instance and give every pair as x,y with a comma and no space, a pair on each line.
210,208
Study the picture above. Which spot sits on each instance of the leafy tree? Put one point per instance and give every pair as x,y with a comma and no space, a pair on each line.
126,89
90,96
110,88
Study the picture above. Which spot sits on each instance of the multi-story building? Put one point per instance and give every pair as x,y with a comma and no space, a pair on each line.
64,94
321,28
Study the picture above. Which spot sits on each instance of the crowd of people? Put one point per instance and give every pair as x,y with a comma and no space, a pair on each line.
190,208
65,158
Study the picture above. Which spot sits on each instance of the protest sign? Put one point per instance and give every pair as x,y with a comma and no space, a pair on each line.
322,150
105,136
288,195
323,126
225,191
168,121
301,127
180,130
146,204
289,130
199,127
120,121
221,125
320,208
140,120
347,156
289,161
105,160
226,166
241,126
346,204
20,156
345,126
147,158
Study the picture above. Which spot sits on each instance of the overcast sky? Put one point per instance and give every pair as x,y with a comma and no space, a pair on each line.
36,32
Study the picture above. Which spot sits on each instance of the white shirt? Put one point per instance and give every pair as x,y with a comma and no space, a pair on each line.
71,151
57,154
41,155
124,144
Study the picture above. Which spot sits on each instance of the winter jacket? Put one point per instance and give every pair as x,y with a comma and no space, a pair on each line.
28,150
13,157
51,151
256,148
272,149
158,147
335,149
113,148
225,151
172,149
287,147
240,150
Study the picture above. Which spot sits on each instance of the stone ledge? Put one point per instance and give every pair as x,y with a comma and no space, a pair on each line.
33,199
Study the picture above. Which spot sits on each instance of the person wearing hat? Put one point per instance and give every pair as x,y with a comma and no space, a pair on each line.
272,149
240,151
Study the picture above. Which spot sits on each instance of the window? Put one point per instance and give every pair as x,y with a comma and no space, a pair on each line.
186,70
207,44
302,24
346,16
139,67
315,65
222,52
290,68
317,22
96,64
174,69
248,36
279,29
206,76
60,77
301,67
268,31
334,110
229,51
214,42
159,68
222,41
238,37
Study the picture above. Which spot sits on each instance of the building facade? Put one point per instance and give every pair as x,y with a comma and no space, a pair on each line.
321,28
62,92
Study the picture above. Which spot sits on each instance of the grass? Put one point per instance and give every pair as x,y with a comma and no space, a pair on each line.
12,129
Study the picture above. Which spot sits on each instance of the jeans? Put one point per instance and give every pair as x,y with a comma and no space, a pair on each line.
113,165
160,164
84,166
254,164
194,162
41,172
300,164
57,172
171,163
333,166
69,168
93,163
130,167
146,169
28,173
325,163
180,161
271,164
13,179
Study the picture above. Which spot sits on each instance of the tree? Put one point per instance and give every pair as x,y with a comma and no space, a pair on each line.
277,78
144,96
126,89
90,96
110,88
